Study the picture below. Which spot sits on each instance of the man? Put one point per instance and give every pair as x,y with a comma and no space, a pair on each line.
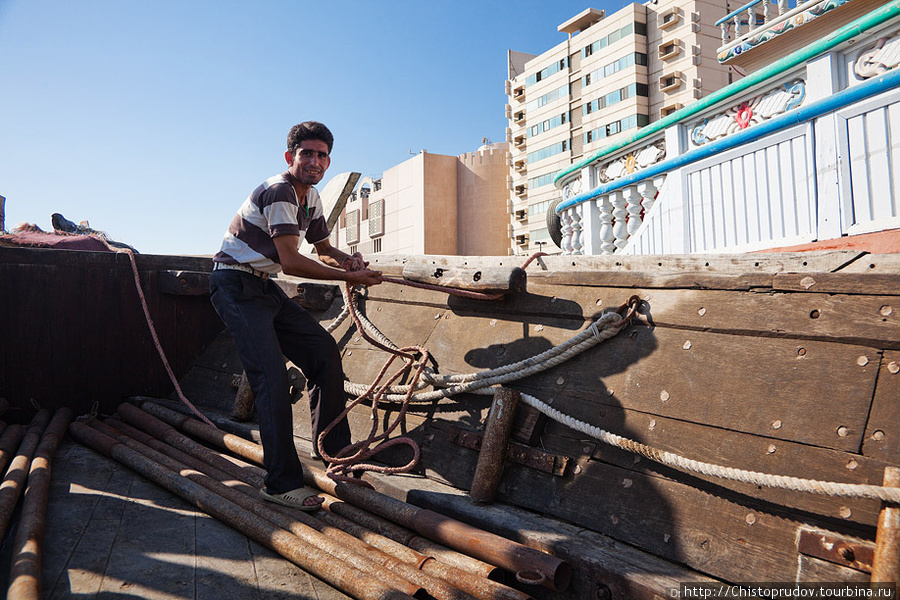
263,239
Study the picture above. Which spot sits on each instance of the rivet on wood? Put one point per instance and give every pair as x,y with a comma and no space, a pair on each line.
627,483
599,302
807,282
814,314
560,381
771,449
553,299
801,351
664,396
614,519
609,391
852,465
577,469
436,317
776,424
862,360
587,449
843,431
493,322
702,311
652,425
750,518
539,328
886,310
894,367
845,512
687,345
667,537
349,352
878,435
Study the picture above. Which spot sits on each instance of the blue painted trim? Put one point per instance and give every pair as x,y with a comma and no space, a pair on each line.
803,114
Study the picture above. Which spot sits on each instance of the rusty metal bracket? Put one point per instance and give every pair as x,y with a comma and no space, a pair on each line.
835,548
554,464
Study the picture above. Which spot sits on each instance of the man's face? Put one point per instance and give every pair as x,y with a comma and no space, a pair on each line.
309,162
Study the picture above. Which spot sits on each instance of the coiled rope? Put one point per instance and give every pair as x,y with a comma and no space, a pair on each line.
605,327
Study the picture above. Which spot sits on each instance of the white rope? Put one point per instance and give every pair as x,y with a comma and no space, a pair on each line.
851,490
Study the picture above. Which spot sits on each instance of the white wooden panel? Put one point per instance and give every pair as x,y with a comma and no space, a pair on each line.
760,195
869,135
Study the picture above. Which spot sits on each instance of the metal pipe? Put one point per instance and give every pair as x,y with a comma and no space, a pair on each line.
527,563
338,542
472,583
409,538
27,557
245,448
307,556
886,563
476,585
11,488
9,442
494,445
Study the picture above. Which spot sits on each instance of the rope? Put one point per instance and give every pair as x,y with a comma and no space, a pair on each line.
137,283
850,490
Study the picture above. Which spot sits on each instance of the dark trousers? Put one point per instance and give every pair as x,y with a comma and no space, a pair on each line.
267,327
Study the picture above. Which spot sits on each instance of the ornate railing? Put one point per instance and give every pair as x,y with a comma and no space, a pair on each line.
767,161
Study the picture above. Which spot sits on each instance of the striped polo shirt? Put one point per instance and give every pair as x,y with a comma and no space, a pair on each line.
272,209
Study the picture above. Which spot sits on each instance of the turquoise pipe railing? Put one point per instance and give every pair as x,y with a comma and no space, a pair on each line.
873,19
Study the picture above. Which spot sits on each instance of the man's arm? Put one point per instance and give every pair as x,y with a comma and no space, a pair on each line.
334,257
294,263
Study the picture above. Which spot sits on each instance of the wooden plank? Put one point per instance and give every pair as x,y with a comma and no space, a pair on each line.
731,449
727,538
775,377
805,262
652,371
882,437
840,283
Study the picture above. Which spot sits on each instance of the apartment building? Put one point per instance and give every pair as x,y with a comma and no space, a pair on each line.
431,204
611,75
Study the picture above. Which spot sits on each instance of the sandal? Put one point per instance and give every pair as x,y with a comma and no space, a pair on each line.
295,498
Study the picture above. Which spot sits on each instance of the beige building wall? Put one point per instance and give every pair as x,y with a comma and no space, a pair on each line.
431,204
612,74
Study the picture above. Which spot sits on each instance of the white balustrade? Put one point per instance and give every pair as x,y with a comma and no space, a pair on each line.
565,220
606,228
577,242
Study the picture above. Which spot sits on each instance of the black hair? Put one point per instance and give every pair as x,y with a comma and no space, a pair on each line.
309,130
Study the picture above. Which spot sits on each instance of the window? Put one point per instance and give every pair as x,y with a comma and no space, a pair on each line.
376,218
376,245
351,231
547,72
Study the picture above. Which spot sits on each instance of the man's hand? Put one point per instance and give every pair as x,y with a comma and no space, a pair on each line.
354,262
364,277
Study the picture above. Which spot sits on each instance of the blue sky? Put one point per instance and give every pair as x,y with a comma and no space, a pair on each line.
154,120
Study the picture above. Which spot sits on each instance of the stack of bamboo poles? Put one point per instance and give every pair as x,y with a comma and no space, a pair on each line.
365,555
27,451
